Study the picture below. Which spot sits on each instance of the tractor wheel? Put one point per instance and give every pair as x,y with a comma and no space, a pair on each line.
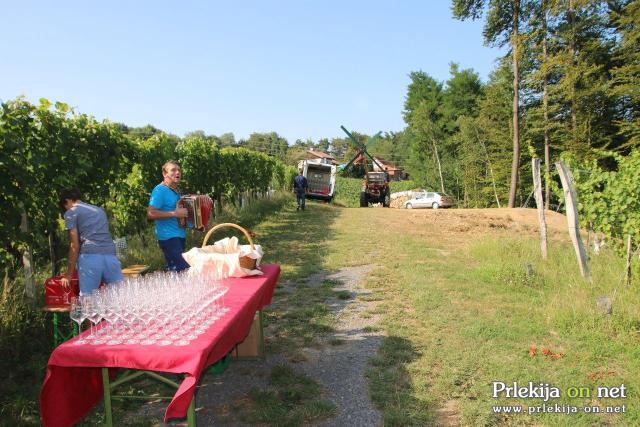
363,200
386,201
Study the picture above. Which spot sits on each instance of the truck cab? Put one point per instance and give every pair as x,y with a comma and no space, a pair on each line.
321,178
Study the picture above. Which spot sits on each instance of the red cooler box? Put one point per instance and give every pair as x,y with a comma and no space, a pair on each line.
55,294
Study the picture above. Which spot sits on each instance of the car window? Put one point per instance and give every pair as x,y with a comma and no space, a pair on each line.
429,195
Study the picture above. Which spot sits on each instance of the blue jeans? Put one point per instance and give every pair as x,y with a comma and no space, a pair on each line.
300,199
96,268
173,249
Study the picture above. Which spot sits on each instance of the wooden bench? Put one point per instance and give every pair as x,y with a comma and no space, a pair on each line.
135,270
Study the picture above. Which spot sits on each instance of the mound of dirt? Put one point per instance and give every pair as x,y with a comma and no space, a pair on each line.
464,221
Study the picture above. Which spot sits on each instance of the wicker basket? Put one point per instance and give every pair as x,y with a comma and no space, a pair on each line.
245,261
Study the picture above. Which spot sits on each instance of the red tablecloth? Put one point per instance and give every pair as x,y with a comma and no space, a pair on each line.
73,384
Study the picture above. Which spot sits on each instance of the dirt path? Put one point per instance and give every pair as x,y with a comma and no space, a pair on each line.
341,368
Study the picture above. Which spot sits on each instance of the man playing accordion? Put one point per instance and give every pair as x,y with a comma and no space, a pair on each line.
165,211
173,212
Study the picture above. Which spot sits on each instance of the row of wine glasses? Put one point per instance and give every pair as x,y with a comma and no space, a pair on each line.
164,308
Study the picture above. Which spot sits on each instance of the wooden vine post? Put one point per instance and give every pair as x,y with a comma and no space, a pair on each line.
537,191
627,270
571,203
27,259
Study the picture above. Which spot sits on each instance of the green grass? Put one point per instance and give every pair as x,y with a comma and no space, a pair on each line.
26,339
290,399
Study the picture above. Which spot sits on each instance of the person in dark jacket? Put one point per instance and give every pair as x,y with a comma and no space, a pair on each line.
300,187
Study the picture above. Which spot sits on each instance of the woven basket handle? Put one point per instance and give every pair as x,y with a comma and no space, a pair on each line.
227,224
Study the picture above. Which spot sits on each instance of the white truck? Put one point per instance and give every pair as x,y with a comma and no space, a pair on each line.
321,178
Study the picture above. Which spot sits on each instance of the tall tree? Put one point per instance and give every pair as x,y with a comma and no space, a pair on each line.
537,75
340,148
423,117
495,110
501,27
423,90
269,143
227,139
323,144
429,136
460,97
545,105
199,134
626,74
580,57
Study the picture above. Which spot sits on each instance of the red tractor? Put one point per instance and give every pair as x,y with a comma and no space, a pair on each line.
375,189
375,185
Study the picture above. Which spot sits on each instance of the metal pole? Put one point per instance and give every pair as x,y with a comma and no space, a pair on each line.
263,355
106,388
56,333
191,412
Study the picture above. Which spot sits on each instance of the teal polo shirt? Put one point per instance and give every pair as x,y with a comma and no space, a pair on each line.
164,198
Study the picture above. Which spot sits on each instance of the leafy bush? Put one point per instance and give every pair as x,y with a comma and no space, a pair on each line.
610,200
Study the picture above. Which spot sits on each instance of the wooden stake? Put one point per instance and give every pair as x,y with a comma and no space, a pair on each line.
571,202
537,191
27,260
627,276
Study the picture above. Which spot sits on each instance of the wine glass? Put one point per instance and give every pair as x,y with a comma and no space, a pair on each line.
93,313
77,314
112,315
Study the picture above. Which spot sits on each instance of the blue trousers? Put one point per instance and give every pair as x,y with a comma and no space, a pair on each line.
95,268
173,249
300,199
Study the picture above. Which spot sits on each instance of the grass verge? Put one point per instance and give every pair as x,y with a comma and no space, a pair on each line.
462,312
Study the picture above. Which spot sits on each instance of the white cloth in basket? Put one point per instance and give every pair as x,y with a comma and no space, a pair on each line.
223,257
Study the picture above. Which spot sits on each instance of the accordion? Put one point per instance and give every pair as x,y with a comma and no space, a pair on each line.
199,207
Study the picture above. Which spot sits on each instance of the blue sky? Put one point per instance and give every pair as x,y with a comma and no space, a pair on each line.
300,68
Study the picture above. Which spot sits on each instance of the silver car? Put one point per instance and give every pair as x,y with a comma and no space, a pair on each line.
429,200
